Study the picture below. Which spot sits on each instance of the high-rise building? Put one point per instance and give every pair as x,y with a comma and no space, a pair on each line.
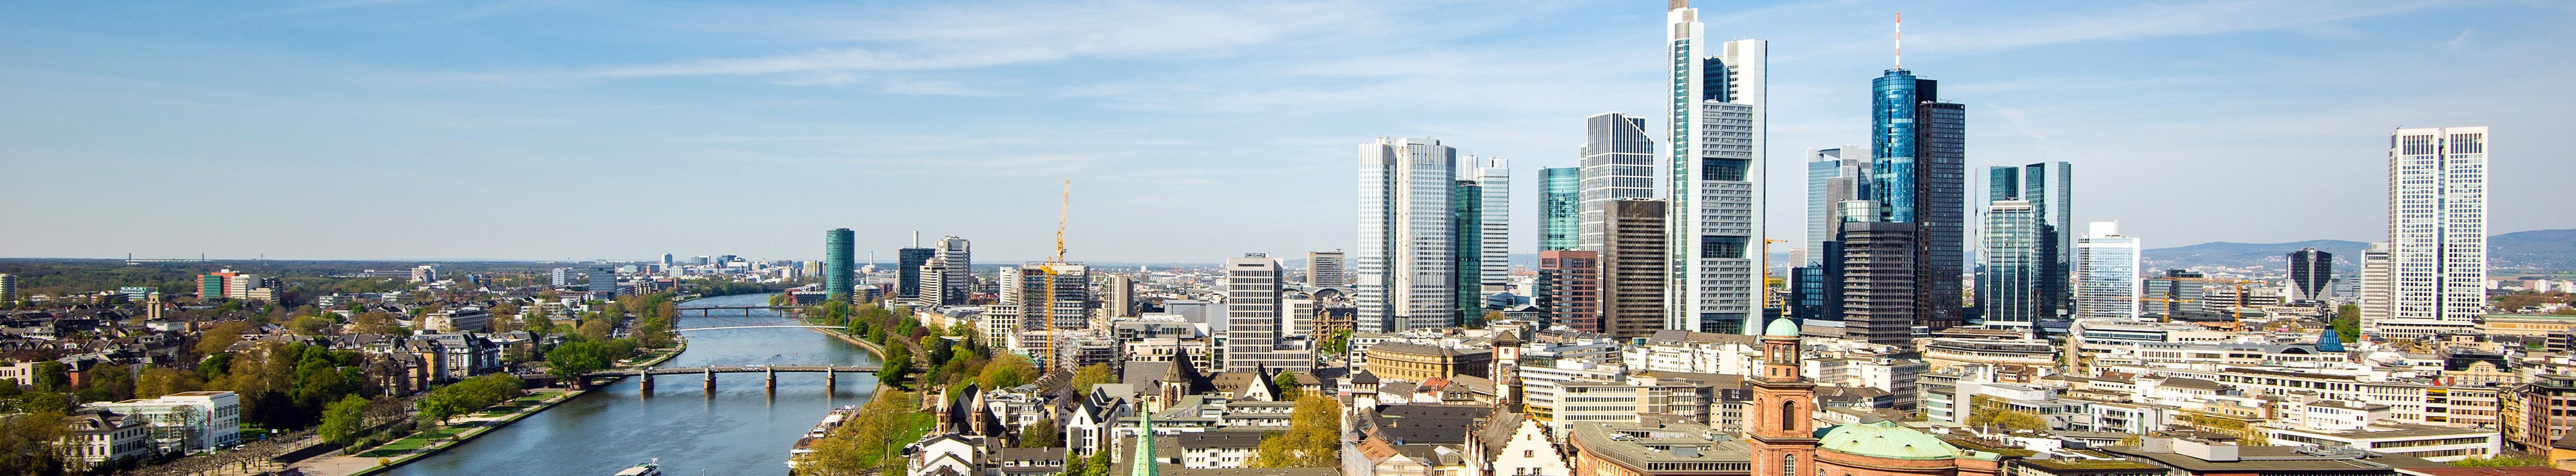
1569,288
1716,141
1633,268
1327,269
1618,164
2378,284
666,261
2106,273
2311,271
1494,223
2007,291
1815,291
933,284
957,275
1833,176
2048,189
1408,237
1880,287
1918,175
1043,310
907,271
838,249
1255,317
8,288
1118,294
603,280
1559,207
2437,233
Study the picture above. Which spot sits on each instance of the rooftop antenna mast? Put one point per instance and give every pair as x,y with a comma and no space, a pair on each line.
1900,40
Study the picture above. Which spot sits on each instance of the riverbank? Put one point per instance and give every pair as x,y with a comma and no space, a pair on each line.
435,440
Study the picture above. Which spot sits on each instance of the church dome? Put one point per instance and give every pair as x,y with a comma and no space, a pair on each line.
1781,328
1886,439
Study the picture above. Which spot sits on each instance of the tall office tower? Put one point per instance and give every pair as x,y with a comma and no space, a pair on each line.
8,288
957,279
1006,285
907,270
1879,282
1407,241
1467,252
1618,164
1918,174
2106,273
1634,257
1494,179
2311,271
933,286
2437,232
1560,202
1569,288
1118,294
1252,313
2378,285
1833,176
1327,269
837,272
2008,291
2048,188
1716,137
666,260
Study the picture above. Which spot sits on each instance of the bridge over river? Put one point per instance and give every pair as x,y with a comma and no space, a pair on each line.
831,373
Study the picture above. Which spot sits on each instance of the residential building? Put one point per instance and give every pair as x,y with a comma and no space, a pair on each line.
2106,273
2437,233
2538,413
1618,164
98,437
1633,268
1716,138
2311,271
1918,176
1560,202
1407,236
462,319
1569,289
1327,269
1529,450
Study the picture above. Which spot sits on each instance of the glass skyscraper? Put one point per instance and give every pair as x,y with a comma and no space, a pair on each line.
1560,201
1618,164
1918,175
2006,293
1833,176
2041,271
1715,140
1432,235
838,270
2106,273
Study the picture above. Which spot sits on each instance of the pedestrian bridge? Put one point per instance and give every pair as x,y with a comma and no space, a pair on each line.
831,373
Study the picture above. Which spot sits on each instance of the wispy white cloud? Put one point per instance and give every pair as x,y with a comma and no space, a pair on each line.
2158,20
2459,42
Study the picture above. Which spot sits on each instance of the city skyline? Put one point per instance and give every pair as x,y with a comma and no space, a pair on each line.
812,113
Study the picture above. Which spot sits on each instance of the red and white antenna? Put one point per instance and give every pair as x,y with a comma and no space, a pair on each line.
1900,40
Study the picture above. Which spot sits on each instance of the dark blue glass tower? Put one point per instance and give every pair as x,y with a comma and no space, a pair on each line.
1918,174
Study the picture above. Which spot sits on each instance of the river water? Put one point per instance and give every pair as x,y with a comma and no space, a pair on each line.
740,429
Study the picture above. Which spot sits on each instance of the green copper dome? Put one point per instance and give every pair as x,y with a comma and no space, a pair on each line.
1886,439
1782,328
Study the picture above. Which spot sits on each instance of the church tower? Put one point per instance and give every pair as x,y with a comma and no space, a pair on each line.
1782,424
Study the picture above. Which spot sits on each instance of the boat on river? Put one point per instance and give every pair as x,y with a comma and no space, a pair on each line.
652,468
804,445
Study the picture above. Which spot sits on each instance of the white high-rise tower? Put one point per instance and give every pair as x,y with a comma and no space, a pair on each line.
1406,267
1494,178
2106,273
2437,232
1716,139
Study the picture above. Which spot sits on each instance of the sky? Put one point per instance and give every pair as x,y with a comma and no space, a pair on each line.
1190,131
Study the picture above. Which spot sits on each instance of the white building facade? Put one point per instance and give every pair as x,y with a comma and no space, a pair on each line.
2106,273
2437,233
1716,136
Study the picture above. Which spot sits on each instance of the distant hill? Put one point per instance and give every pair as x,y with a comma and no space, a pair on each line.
2347,255
2533,251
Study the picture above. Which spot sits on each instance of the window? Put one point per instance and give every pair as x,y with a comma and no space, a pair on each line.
1788,417
1788,465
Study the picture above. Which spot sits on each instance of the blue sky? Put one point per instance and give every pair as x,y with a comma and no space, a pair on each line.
1192,130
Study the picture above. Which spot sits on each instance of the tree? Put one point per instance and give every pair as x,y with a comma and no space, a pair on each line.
2347,323
27,443
376,323
2501,460
1090,375
53,376
898,361
1040,434
1338,343
221,337
934,350
1008,371
575,358
1312,439
1287,384
312,325
1989,412
343,420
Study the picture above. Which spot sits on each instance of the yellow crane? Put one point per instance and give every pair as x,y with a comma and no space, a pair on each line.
1046,347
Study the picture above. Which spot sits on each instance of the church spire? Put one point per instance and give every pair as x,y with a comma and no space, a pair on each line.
1142,464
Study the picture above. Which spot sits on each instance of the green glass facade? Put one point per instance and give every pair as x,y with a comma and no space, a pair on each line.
838,269
1560,207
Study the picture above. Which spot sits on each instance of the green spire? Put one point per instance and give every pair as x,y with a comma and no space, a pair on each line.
1143,463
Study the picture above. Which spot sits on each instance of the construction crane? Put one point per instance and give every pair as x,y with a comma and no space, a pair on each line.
1770,298
1046,348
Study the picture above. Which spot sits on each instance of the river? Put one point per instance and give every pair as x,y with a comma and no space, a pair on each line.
740,429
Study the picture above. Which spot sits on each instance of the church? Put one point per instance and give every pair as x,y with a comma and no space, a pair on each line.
1784,440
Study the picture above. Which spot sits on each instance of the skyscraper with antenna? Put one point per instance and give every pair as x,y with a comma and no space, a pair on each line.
1918,175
